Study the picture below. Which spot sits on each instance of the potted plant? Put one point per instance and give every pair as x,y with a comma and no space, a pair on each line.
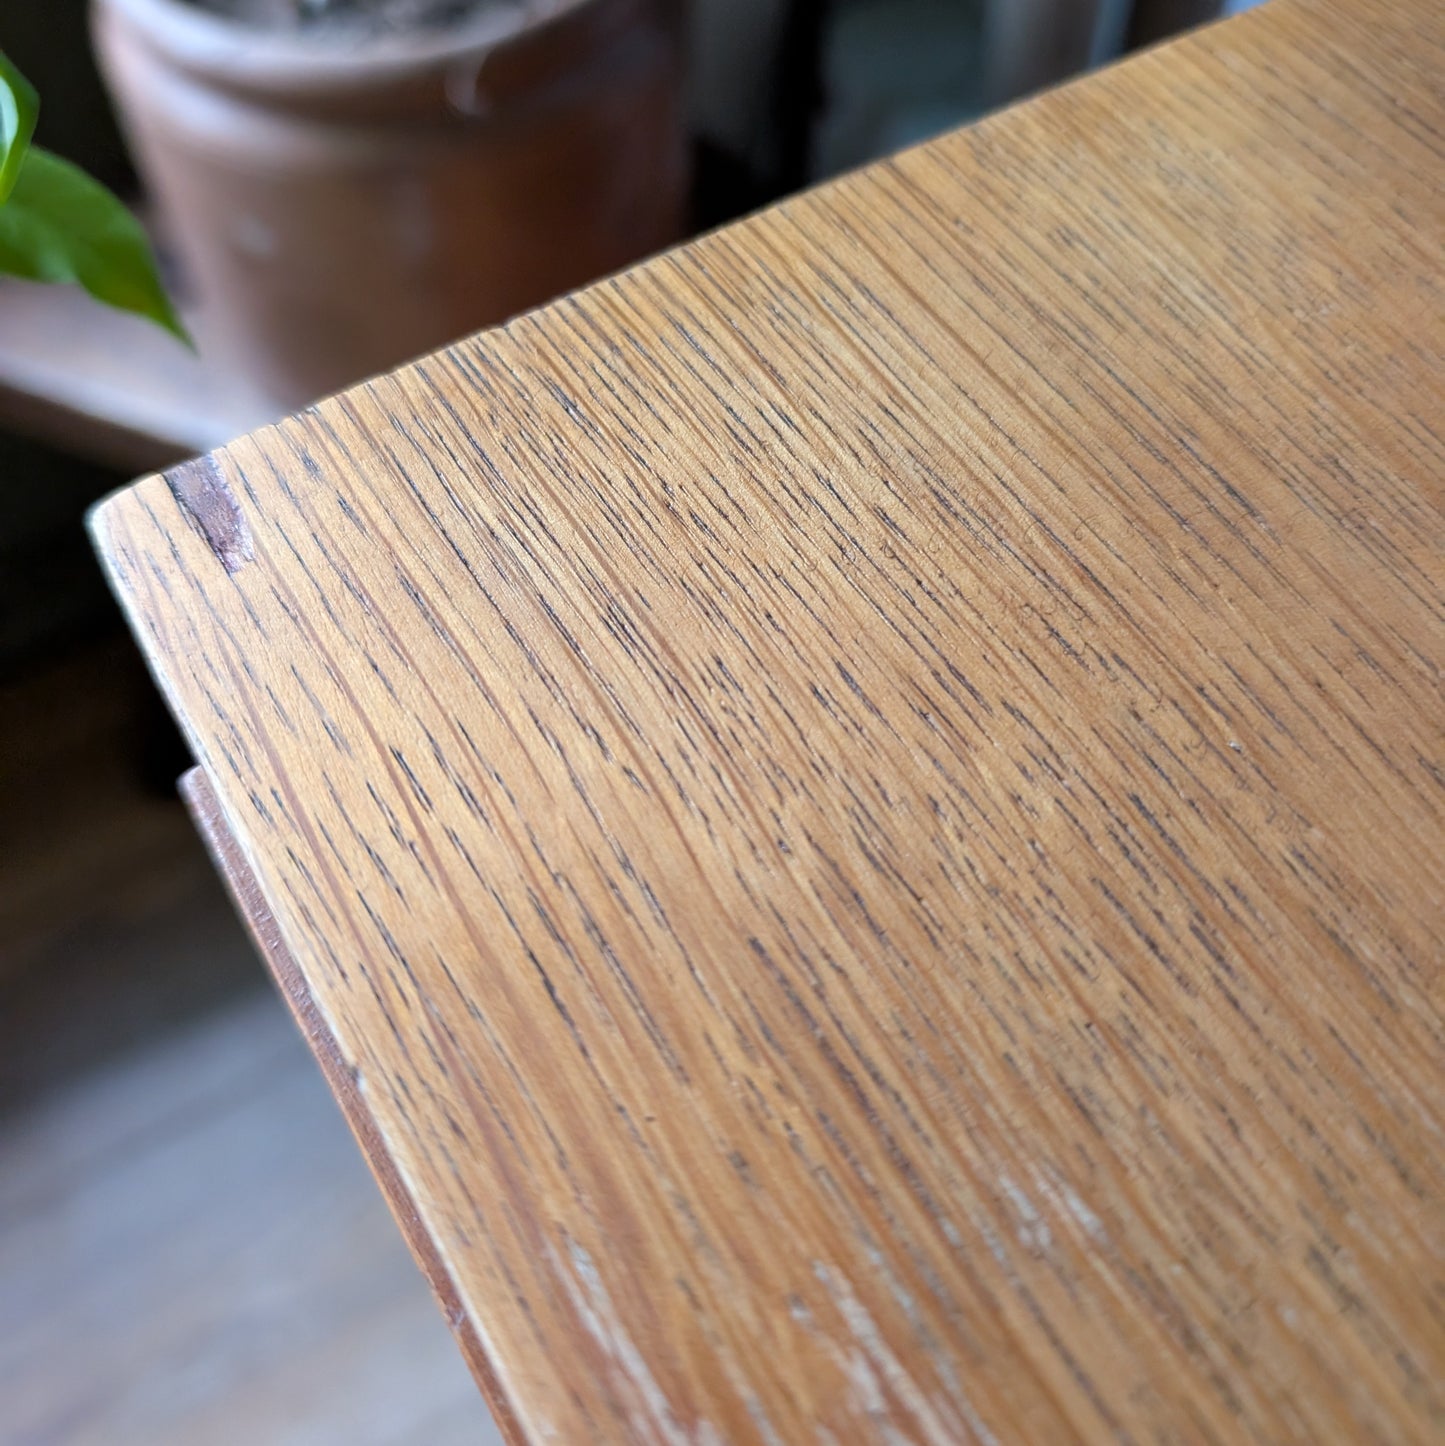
348,183
58,225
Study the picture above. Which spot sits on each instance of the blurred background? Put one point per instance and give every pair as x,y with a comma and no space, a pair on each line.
191,1250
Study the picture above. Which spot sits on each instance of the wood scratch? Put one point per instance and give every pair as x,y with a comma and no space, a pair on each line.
203,495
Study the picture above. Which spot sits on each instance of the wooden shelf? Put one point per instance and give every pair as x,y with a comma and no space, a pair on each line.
105,385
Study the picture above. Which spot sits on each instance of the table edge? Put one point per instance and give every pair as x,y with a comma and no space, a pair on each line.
250,902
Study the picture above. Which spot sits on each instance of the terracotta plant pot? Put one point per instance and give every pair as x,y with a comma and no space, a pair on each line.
340,205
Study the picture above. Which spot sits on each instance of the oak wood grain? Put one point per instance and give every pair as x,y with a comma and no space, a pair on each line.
864,801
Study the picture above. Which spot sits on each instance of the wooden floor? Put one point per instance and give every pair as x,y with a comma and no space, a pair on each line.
191,1250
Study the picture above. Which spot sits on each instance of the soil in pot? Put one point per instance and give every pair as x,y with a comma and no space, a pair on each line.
351,16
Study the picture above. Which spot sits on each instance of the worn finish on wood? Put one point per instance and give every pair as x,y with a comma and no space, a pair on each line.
865,800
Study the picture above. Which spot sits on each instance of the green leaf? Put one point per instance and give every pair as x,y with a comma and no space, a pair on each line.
18,107
59,225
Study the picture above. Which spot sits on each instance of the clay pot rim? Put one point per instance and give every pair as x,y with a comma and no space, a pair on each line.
238,55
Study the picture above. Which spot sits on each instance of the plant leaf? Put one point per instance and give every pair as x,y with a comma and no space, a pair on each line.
18,107
59,225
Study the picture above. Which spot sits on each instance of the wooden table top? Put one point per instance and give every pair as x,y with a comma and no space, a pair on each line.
863,803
